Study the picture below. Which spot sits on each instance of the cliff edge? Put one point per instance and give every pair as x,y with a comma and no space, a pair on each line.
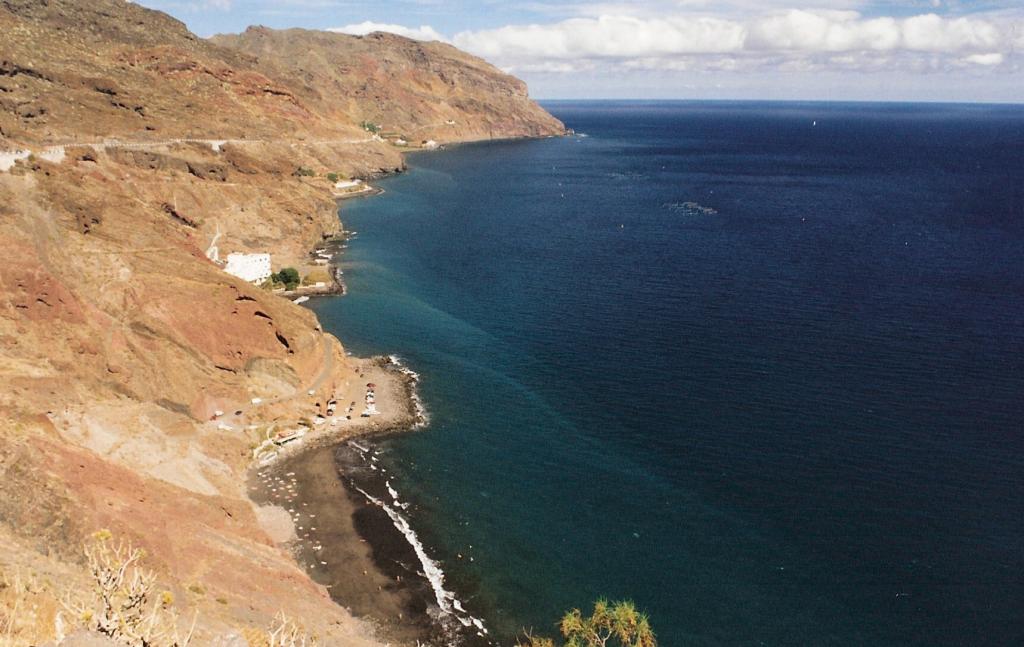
417,90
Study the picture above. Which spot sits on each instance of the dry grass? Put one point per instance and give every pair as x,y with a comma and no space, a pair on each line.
28,609
124,603
284,632
120,600
316,276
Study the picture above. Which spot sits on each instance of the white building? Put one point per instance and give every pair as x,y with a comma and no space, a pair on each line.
8,158
254,268
53,154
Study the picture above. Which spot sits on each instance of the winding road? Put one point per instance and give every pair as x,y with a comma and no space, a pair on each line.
56,152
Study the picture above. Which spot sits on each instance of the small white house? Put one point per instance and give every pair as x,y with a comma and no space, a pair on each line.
345,185
254,268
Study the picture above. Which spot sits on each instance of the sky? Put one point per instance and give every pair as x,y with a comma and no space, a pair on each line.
860,50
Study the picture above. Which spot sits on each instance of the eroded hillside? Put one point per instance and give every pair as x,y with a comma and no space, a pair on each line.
120,339
417,90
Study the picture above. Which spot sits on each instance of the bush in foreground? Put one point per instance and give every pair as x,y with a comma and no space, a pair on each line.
121,601
124,604
612,624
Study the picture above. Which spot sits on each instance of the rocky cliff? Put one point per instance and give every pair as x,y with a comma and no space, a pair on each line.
419,91
120,339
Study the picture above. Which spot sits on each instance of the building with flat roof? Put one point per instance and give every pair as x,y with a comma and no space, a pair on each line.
254,268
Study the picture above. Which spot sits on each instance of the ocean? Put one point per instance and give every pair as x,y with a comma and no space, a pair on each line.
758,367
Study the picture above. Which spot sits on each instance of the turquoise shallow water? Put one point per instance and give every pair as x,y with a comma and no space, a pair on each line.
756,366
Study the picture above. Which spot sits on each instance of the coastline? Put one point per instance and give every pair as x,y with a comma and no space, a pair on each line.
331,249
327,502
367,192
146,385
331,506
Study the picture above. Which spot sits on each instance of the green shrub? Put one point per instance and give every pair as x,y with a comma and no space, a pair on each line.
612,624
289,277
302,171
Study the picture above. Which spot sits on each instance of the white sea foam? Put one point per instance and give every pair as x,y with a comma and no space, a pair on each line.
690,208
449,605
398,503
419,409
450,608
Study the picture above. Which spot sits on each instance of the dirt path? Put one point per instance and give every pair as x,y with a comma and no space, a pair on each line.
55,152
326,370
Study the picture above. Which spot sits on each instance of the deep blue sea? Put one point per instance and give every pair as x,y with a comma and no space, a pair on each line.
757,366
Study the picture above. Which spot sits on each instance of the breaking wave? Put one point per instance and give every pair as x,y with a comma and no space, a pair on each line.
422,418
450,608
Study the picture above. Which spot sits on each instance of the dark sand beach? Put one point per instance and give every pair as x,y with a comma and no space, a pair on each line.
315,498
331,527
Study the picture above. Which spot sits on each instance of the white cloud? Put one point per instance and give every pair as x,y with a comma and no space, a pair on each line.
424,32
994,58
934,34
550,67
823,32
764,48
606,37
789,40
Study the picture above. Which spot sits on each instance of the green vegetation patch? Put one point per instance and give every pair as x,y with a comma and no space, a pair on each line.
612,624
288,277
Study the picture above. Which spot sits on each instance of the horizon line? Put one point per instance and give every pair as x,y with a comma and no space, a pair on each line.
947,102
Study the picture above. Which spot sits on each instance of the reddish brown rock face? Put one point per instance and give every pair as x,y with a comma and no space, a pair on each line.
417,90
38,297
119,338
